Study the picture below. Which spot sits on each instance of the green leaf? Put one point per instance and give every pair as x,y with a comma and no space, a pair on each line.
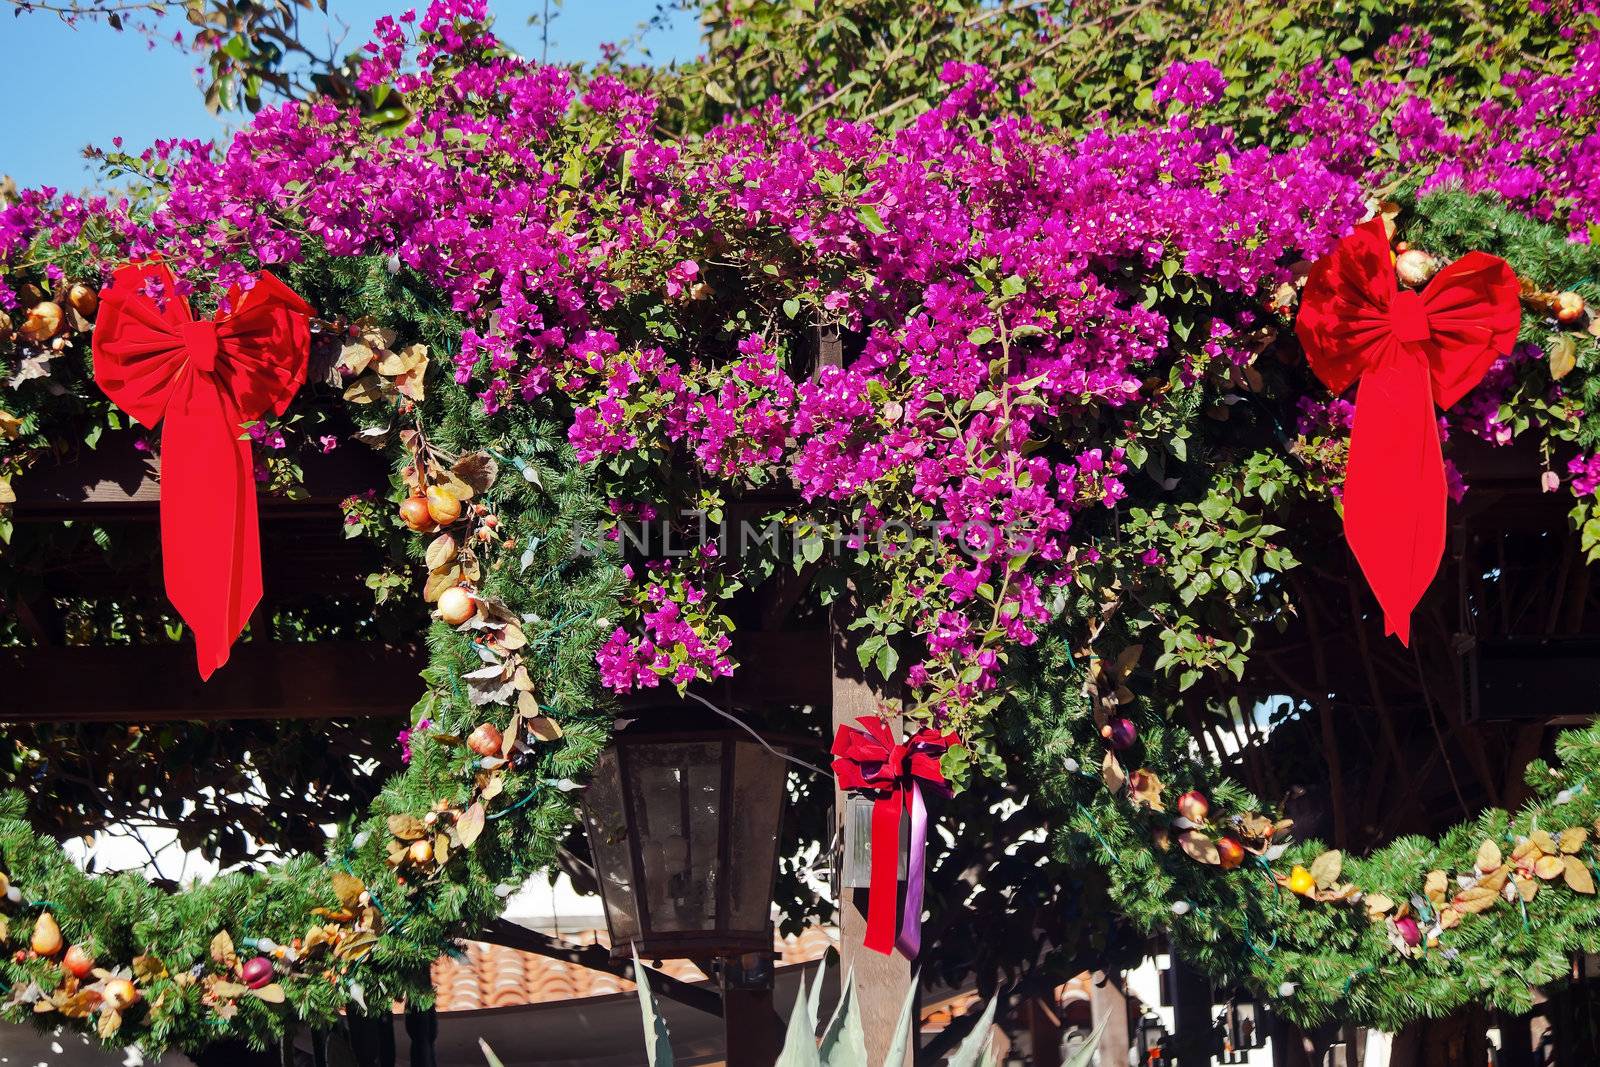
657,1042
1084,1057
791,307
814,1004
799,1044
977,1042
871,219
902,1029
844,1043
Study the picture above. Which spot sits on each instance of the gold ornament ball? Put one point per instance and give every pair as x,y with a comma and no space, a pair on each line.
1415,268
44,321
421,852
456,605
1301,881
443,505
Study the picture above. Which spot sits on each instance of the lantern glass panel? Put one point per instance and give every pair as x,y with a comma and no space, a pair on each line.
676,813
759,782
608,841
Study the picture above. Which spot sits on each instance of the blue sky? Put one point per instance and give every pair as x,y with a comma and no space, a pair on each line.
68,87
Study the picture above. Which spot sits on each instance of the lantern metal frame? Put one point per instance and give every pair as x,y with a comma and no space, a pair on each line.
661,725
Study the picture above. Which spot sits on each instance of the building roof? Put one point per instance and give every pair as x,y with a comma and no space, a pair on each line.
492,976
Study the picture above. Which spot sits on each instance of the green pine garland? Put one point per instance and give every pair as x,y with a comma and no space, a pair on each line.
383,923
189,992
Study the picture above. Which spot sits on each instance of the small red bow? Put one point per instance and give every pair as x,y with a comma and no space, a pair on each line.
868,759
206,378
1411,351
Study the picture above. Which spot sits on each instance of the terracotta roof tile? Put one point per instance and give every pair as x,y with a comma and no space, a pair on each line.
491,976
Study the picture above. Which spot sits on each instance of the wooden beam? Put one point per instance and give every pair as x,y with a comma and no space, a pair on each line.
598,958
118,477
1109,1004
152,683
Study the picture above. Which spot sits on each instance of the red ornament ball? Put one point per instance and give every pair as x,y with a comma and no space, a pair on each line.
1229,853
1408,930
77,962
414,513
486,740
257,972
1194,806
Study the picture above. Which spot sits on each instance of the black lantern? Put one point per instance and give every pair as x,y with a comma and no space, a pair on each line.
684,815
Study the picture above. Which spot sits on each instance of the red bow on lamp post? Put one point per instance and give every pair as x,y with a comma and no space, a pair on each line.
1411,350
204,378
868,759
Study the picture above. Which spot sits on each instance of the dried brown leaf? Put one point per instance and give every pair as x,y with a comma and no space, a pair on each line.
1549,867
356,946
1578,876
1112,774
407,827
477,469
469,825
1496,879
544,728
1326,867
348,888
438,582
441,550
222,950
148,969
1199,847
1476,898
1572,839
1488,856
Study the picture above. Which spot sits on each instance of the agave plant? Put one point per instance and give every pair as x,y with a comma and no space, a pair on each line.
843,1042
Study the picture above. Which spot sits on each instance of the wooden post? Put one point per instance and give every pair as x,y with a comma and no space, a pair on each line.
752,1026
1044,1032
881,982
1516,1041
1191,1010
1108,1002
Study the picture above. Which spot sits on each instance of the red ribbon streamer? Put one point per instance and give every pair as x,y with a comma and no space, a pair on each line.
204,378
1411,351
868,759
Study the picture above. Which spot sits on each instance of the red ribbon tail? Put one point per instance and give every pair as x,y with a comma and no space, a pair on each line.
883,895
1394,491
211,553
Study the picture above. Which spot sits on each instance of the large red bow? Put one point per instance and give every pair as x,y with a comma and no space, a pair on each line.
205,378
1411,350
868,759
